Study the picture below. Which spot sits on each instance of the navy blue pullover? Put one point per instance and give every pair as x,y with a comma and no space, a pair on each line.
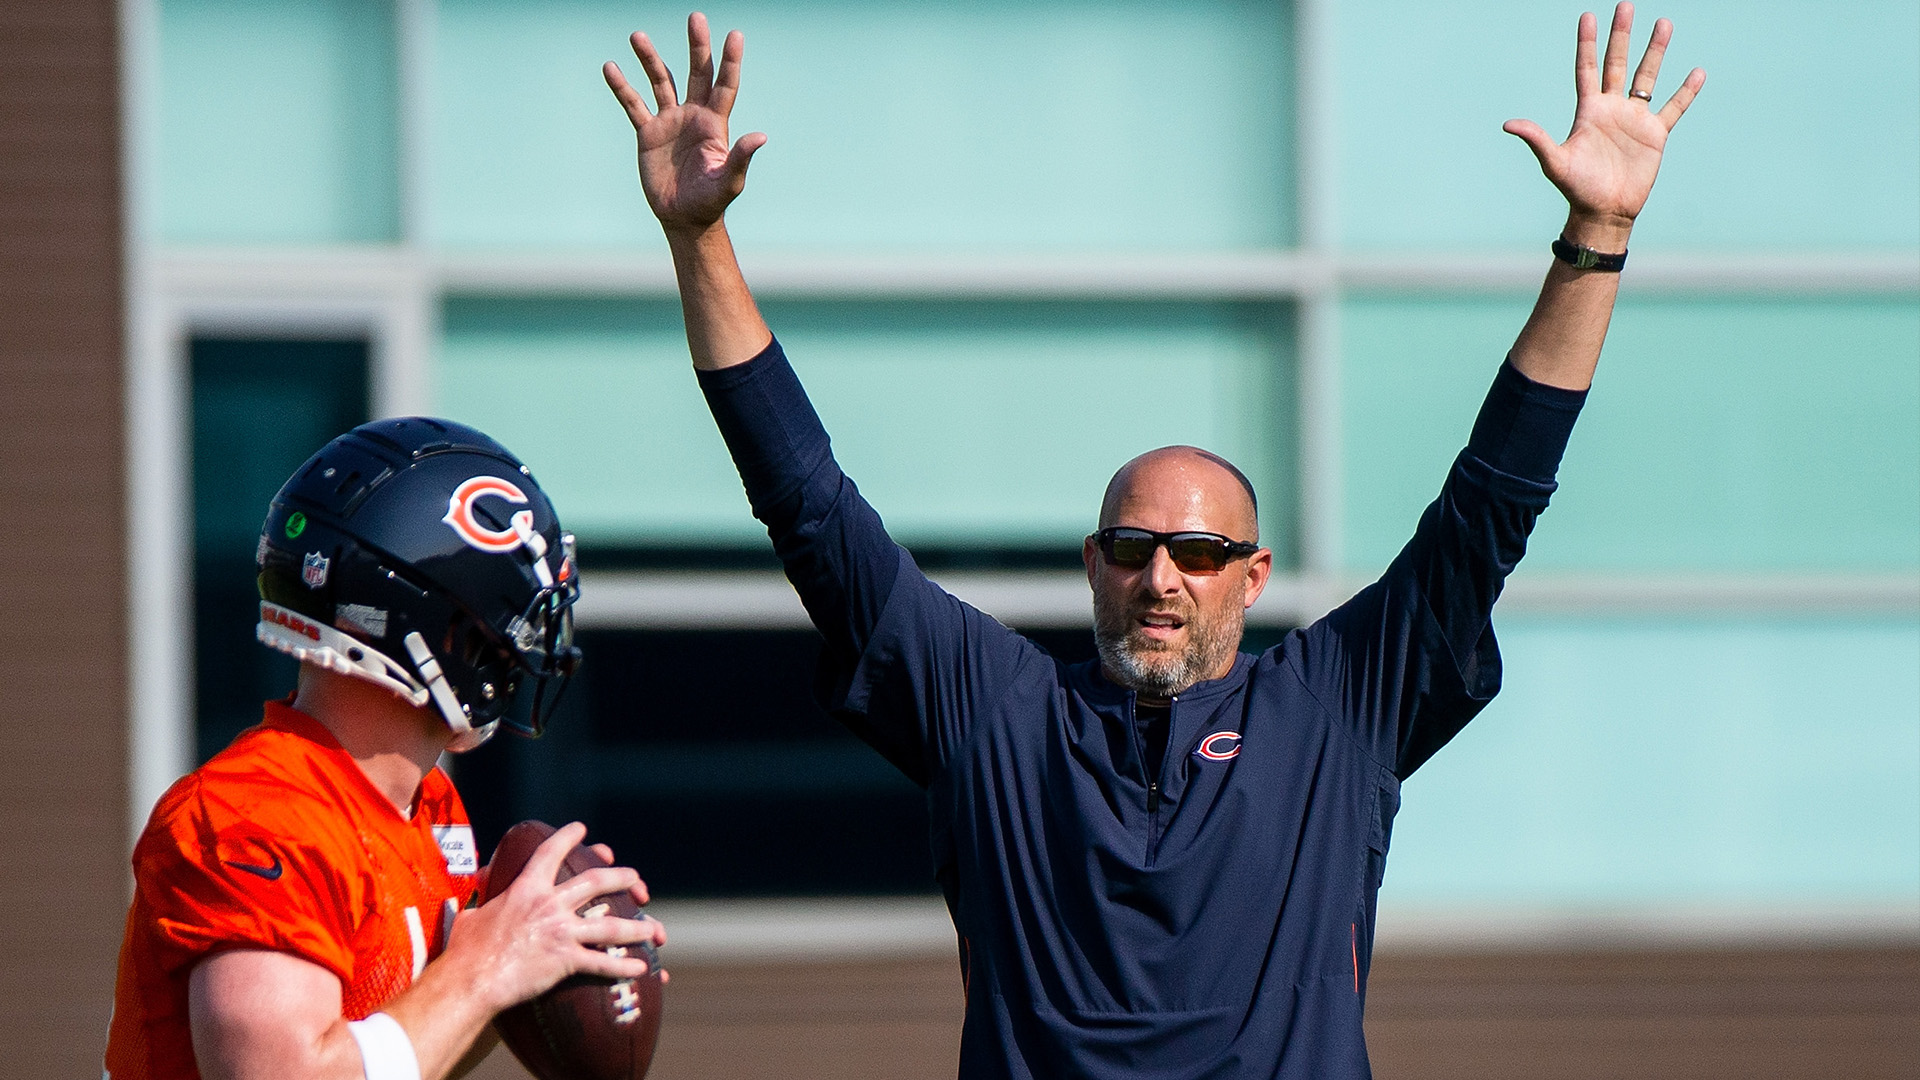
1224,929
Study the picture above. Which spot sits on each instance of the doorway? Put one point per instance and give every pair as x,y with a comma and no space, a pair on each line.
261,407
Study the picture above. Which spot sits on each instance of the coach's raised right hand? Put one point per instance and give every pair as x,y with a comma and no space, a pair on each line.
686,168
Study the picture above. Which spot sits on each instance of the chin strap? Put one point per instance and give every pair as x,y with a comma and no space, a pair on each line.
465,735
312,642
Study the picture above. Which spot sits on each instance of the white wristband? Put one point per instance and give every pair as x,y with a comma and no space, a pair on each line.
385,1051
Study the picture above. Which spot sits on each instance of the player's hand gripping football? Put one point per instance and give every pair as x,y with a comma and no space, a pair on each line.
686,168
530,936
1607,165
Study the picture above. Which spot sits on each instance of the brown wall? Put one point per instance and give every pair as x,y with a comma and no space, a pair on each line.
1669,1014
63,667
1703,1014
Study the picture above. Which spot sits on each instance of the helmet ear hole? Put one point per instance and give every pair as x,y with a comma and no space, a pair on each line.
469,642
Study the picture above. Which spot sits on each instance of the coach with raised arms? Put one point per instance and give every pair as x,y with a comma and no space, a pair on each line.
1164,862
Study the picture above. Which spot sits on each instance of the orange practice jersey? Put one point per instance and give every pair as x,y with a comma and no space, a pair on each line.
281,842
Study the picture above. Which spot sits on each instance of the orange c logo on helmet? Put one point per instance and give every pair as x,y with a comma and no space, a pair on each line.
461,518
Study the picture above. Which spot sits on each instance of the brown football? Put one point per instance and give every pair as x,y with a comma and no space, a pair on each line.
586,1027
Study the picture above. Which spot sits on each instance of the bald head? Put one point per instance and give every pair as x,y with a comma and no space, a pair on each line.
1178,488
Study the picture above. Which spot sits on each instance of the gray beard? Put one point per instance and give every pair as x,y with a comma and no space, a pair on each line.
1154,670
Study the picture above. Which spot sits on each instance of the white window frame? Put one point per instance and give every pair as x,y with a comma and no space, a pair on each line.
393,293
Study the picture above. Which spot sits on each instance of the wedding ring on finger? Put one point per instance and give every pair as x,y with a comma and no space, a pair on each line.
1643,95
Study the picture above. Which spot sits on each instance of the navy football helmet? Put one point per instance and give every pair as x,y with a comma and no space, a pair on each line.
420,555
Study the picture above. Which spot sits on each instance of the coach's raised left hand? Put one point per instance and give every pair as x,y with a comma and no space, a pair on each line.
1607,165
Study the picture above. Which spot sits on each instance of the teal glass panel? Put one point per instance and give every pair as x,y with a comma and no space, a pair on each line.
964,423
1640,762
1806,136
277,122
1722,434
991,125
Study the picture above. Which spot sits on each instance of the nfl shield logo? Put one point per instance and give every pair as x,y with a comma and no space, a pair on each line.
314,570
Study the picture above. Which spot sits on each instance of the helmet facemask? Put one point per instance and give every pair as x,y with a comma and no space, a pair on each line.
544,655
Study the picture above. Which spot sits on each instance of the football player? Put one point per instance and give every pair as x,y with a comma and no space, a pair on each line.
301,900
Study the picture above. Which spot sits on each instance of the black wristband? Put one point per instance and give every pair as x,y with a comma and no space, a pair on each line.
1582,257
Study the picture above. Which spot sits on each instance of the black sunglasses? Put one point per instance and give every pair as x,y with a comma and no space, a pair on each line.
1192,552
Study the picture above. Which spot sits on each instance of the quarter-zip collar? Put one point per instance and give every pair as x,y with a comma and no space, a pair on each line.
1188,711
